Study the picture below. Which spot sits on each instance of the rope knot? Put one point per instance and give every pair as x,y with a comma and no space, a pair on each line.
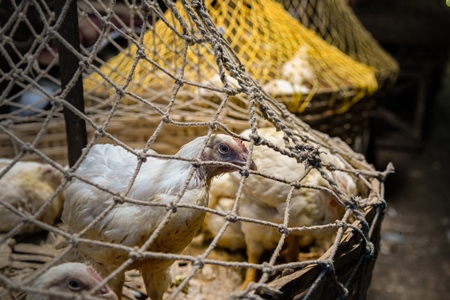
314,160
256,139
104,20
341,224
189,39
213,125
140,53
327,265
331,167
165,119
17,75
351,204
268,269
296,184
381,203
179,82
196,163
142,7
141,157
283,230
118,200
84,63
55,101
199,262
27,148
100,132
68,176
172,206
120,92
27,219
232,92
7,39
74,239
244,173
231,217
135,254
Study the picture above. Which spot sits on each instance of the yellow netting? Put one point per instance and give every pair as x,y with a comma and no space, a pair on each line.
335,22
290,61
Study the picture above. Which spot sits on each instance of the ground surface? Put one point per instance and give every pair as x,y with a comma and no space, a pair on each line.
414,262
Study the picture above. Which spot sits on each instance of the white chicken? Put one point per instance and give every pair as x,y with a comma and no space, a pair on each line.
296,76
27,186
265,199
216,82
222,197
158,181
69,278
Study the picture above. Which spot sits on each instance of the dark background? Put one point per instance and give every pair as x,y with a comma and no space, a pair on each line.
414,261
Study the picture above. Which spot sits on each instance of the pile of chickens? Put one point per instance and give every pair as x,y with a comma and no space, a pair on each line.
135,209
264,198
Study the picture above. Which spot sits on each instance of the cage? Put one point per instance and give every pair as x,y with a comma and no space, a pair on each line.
86,92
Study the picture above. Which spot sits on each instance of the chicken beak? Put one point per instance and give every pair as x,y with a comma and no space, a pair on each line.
253,165
242,162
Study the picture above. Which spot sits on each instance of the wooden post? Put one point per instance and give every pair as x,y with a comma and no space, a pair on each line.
68,64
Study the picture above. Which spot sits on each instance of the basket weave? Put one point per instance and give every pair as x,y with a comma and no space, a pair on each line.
178,114
352,264
135,132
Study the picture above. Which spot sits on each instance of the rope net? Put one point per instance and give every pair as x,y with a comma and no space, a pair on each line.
157,75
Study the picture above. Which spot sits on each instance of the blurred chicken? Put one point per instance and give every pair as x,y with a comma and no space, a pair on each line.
72,278
158,181
296,76
27,186
222,197
265,199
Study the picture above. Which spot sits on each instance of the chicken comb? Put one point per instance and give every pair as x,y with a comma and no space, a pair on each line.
241,144
104,289
94,274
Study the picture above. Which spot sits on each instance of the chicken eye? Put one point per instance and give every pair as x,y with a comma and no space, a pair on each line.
223,149
74,285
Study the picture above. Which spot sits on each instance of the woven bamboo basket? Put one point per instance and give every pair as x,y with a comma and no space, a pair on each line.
353,265
352,262
122,114
133,131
